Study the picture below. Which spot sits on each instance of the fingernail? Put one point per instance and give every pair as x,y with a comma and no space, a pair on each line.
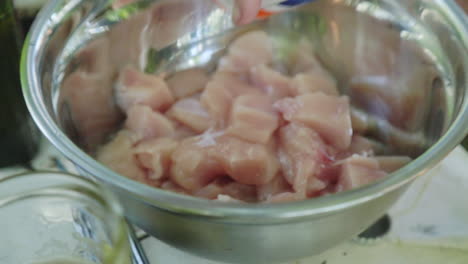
236,14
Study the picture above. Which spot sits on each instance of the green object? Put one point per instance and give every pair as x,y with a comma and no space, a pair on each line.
465,143
18,134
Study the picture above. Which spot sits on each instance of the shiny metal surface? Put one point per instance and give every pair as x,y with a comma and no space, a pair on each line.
428,70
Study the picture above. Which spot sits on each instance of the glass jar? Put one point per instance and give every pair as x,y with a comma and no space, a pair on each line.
18,134
52,217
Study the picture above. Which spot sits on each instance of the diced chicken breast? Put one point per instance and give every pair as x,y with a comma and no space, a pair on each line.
315,185
391,164
147,124
361,145
217,100
242,192
302,58
119,156
301,153
273,83
134,87
314,81
274,187
245,162
247,133
253,118
285,197
93,112
230,188
305,62
227,199
182,132
248,50
187,83
220,91
169,185
155,156
328,174
193,166
192,114
357,171
328,115
212,190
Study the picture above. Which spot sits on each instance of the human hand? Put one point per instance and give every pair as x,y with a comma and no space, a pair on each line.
245,11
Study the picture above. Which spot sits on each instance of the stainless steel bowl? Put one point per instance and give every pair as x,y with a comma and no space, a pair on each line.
419,46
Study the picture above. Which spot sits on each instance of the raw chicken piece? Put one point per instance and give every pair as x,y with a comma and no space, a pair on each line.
302,59
242,192
301,153
314,81
173,187
246,163
147,124
223,186
357,171
134,87
155,156
93,112
182,132
248,50
187,83
276,186
253,118
227,199
193,166
306,62
328,115
361,145
315,185
285,197
217,99
119,156
220,91
253,134
273,83
391,164
212,190
328,174
191,113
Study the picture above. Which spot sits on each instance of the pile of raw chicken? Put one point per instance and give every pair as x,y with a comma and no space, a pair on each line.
246,132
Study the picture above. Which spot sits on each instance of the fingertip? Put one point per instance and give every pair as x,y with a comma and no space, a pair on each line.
246,11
